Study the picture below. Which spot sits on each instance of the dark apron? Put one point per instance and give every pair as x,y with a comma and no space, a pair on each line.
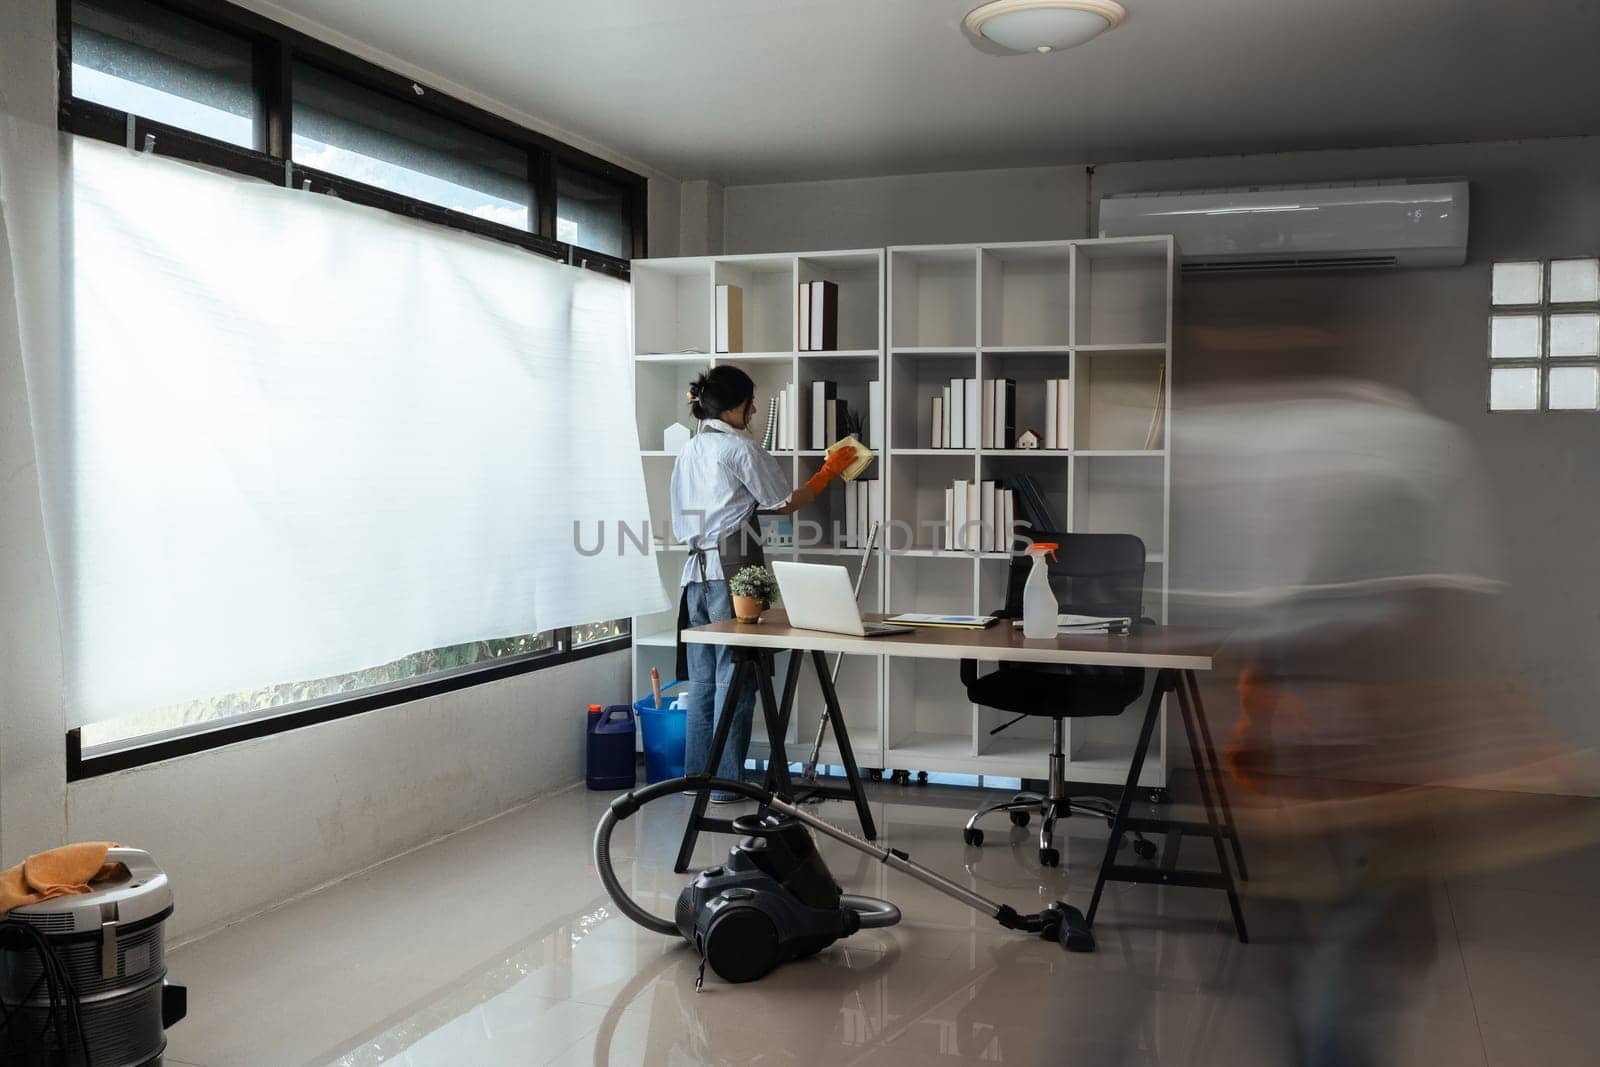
737,549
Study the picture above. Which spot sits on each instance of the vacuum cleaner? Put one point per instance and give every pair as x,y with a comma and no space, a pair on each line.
775,900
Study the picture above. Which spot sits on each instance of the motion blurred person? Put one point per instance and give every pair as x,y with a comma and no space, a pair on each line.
1341,534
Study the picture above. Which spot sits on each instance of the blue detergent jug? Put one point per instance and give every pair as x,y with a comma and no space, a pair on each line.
611,762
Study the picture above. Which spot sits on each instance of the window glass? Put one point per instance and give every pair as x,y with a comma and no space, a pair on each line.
345,129
1574,388
145,60
1514,389
592,213
282,697
1575,335
1575,281
1518,283
1515,336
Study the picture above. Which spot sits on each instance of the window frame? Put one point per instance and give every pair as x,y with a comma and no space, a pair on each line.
275,49
1544,311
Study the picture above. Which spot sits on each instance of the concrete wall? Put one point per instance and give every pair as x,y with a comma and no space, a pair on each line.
244,827
1423,331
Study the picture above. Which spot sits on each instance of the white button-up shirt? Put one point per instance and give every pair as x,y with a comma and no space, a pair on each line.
718,479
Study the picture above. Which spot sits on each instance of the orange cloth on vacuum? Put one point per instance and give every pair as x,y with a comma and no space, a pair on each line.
59,872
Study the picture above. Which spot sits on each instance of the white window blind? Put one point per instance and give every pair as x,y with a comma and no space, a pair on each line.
296,437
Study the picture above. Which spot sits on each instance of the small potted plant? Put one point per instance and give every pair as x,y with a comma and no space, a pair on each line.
753,589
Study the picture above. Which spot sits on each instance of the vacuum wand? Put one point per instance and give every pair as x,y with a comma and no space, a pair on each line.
808,771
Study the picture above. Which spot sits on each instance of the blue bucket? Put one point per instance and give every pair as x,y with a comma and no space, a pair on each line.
663,730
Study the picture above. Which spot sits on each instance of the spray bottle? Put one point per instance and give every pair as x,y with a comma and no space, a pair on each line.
1039,606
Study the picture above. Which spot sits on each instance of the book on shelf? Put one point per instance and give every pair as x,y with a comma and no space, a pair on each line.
874,426
1154,435
874,508
974,523
824,316
730,318
769,436
986,517
988,413
823,394
802,318
955,408
1063,413
852,513
1031,505
973,413
1004,417
962,499
793,421
1052,400
937,438
1008,521
949,539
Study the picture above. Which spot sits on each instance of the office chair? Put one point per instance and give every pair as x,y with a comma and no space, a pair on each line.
1093,574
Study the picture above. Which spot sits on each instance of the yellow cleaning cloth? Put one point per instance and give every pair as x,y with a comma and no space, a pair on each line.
57,873
863,456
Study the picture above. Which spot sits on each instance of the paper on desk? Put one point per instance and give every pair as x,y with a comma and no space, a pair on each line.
1086,622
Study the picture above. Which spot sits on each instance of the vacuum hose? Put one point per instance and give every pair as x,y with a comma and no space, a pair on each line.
872,912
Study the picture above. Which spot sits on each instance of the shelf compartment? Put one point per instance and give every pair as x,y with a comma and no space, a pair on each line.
916,380
770,377
1122,292
660,399
1027,294
916,499
1121,495
1116,400
934,297
672,306
859,277
1030,370
1053,480
768,300
857,688
853,380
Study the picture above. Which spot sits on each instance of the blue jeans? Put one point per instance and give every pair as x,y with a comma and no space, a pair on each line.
710,674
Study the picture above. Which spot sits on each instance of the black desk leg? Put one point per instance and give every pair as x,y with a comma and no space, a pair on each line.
743,666
1152,715
777,720
841,736
1216,774
1203,774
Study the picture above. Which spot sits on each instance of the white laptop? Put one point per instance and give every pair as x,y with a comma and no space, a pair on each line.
819,596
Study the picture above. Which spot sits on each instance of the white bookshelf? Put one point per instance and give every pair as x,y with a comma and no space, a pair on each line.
674,309
1099,314
1096,312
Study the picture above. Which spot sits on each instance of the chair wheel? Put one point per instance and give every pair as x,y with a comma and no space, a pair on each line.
1049,857
1145,849
922,777
1020,818
875,774
972,836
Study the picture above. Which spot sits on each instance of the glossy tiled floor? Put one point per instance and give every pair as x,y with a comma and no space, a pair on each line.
497,946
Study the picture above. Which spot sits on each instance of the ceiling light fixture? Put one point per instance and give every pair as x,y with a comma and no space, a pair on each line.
1042,26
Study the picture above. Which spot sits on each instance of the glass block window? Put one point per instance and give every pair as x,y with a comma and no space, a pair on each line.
1544,335
1575,281
1518,284
1574,388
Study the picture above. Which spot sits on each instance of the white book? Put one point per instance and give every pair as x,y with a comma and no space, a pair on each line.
936,432
874,508
864,511
819,404
948,536
730,319
1051,401
974,412
1064,413
852,517
974,516
959,537
1008,520
804,317
831,429
875,415
986,517
988,413
955,407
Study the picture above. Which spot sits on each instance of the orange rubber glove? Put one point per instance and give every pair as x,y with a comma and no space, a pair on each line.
832,467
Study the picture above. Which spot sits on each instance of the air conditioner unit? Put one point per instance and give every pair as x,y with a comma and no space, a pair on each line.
1304,227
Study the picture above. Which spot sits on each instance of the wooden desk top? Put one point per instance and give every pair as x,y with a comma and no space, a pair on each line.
1177,647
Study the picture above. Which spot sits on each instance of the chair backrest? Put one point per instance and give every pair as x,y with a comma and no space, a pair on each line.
1092,574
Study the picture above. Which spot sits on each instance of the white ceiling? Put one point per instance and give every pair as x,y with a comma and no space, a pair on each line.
747,91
